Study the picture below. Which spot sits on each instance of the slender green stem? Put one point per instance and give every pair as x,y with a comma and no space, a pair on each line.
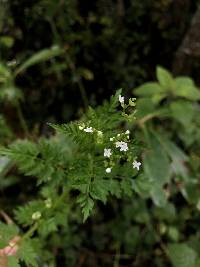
146,118
79,82
30,232
21,118
83,93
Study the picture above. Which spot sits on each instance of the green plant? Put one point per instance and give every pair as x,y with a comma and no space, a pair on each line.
93,160
96,161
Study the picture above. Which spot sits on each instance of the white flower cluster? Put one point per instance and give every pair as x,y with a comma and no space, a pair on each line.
122,145
90,130
86,129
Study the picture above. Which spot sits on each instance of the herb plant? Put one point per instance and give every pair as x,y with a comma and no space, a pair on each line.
125,176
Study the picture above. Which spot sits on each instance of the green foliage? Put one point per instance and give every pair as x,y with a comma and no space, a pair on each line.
73,206
93,191
38,57
182,255
7,233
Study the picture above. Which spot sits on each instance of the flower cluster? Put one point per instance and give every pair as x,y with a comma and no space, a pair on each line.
122,145
86,129
119,143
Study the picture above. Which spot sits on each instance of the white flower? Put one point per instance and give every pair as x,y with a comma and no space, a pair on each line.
80,127
88,130
118,135
108,170
36,215
123,145
111,138
136,164
107,152
121,99
127,132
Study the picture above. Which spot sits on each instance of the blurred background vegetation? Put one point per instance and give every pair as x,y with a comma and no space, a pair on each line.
58,56
107,45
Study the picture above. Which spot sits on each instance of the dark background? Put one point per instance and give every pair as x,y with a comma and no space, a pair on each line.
108,44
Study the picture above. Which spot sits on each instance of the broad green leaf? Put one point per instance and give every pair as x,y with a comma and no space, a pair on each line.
40,56
158,195
182,255
191,193
183,111
156,161
184,81
148,89
177,156
157,98
165,78
142,185
185,88
145,106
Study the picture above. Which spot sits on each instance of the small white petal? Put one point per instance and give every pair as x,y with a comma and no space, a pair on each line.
111,139
118,144
136,164
107,152
108,170
121,99
88,130
127,132
80,127
123,145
